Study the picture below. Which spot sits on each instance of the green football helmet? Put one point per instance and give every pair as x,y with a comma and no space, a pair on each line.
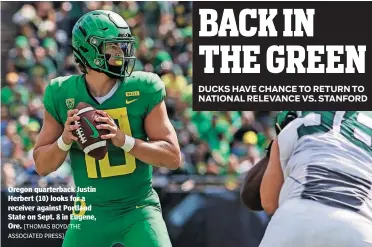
102,41
283,118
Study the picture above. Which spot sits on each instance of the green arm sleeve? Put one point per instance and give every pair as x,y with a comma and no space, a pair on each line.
49,104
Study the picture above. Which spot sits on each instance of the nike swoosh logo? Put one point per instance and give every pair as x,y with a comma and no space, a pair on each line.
141,206
130,101
91,126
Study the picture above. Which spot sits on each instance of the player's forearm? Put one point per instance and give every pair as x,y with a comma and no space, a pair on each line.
48,158
157,153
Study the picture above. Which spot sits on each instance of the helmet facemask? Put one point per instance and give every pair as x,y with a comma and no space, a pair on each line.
115,57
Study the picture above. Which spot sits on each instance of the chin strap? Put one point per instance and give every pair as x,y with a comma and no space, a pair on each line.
112,76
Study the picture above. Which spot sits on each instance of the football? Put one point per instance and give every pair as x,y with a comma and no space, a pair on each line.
89,137
250,191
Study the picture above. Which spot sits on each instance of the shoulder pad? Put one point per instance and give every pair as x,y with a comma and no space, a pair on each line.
62,81
145,82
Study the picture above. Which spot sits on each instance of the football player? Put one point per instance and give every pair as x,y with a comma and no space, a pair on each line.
318,181
125,210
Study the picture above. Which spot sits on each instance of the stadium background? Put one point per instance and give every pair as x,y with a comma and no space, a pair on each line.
201,199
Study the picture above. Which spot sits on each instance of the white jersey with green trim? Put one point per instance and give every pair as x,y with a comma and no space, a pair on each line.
326,156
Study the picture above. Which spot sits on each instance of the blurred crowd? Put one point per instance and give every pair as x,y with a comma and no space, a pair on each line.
212,143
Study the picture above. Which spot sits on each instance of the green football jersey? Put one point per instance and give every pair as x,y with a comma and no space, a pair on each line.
119,178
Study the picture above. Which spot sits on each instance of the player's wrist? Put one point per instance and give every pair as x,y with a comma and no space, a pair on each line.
61,143
128,144
66,140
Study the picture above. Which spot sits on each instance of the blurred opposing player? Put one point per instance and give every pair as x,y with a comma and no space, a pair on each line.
318,183
126,209
250,189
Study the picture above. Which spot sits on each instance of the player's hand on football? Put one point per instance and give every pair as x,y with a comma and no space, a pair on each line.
70,125
107,123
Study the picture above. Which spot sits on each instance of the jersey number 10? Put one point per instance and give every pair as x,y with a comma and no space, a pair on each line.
106,170
354,126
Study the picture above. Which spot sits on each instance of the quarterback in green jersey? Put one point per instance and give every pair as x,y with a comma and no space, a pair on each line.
116,204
